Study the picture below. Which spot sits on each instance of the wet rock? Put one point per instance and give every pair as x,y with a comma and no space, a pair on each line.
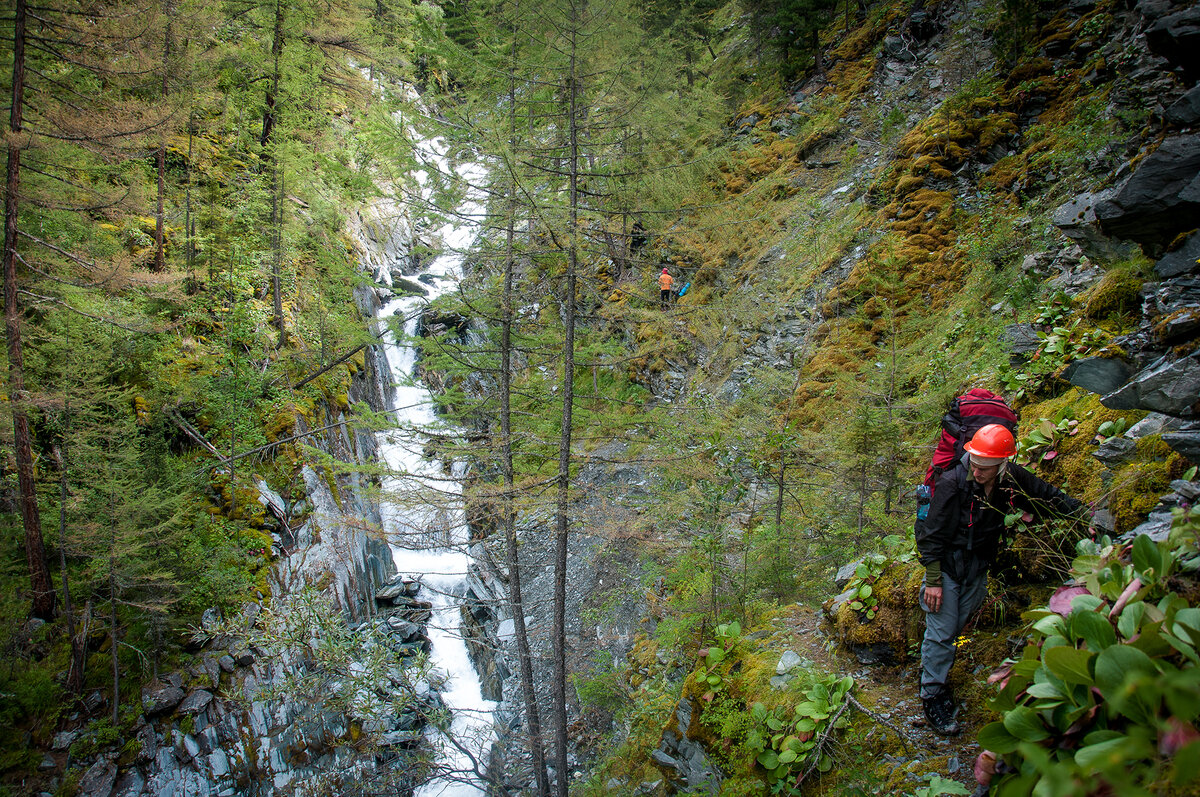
63,739
227,663
98,781
196,702
1100,375
1185,110
1176,37
1114,450
1077,221
1182,260
161,698
1188,491
1161,199
1157,527
1170,387
405,287
1154,423
130,784
1186,443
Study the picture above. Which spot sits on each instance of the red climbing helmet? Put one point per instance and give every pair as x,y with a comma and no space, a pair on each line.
993,441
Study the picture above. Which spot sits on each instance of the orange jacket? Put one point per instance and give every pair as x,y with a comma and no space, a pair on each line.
665,281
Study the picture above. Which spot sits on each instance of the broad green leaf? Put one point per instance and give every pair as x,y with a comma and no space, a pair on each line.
865,591
769,759
714,680
1114,664
1045,691
1069,664
1024,723
1109,754
1051,625
1093,628
1147,558
787,756
861,570
774,724
1130,618
805,725
1086,603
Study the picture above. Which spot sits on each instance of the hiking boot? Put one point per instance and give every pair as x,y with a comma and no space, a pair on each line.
939,713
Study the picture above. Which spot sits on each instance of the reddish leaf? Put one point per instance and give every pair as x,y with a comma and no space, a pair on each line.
1177,734
985,767
1060,601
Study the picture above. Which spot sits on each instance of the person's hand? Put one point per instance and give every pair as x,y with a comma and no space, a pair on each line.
933,599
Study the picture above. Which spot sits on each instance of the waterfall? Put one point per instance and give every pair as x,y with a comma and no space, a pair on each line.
429,541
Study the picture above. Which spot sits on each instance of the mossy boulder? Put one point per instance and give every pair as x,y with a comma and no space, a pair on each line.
898,620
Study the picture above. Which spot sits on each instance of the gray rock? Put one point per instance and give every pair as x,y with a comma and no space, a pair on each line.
227,663
1186,443
1099,375
210,619
1185,110
196,702
160,699
662,759
1157,527
789,661
846,572
1170,387
833,606
1077,221
1104,522
1021,339
403,629
1161,199
1154,423
98,781
48,763
780,682
1114,450
149,744
131,784
1176,37
1188,491
63,739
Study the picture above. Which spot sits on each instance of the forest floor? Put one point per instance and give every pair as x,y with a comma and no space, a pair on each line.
907,752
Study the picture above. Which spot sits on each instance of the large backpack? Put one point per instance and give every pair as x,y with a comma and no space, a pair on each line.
967,415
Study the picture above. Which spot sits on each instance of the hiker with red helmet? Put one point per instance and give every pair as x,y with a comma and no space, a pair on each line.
665,281
959,541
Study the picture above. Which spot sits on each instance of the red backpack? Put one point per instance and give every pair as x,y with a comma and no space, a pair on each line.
967,415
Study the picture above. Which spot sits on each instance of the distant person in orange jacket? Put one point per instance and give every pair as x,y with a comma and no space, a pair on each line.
665,281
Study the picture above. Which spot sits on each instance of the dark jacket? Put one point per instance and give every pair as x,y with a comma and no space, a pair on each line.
964,528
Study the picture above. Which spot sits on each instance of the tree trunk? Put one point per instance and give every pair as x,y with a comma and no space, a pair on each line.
160,158
268,144
74,682
533,722
41,585
116,659
559,632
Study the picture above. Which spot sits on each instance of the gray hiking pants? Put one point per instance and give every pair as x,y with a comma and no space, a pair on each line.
959,602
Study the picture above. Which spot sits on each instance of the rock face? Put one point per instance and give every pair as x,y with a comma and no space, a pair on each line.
244,740
1171,387
1162,198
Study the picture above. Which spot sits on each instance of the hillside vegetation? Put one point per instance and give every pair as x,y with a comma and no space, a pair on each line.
870,205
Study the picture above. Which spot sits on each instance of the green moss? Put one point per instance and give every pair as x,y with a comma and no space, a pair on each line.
1135,491
1118,293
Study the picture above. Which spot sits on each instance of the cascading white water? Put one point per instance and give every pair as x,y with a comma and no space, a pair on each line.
430,539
